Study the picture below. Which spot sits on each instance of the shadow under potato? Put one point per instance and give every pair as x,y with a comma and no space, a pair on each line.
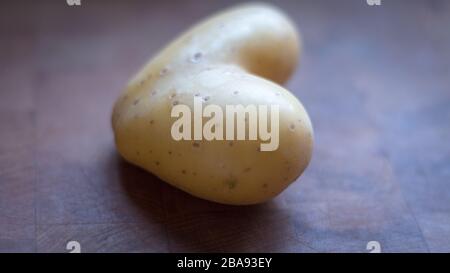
197,225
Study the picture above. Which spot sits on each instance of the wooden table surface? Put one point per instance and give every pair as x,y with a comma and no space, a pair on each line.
375,81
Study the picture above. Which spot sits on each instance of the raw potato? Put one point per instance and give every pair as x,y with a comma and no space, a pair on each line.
238,56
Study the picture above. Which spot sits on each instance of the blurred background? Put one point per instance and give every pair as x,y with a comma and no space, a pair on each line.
374,79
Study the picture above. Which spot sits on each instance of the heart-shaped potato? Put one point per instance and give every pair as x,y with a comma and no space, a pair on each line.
237,57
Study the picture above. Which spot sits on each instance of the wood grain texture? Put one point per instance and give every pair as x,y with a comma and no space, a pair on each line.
375,80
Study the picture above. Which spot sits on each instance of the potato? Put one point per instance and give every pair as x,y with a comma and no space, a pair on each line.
236,57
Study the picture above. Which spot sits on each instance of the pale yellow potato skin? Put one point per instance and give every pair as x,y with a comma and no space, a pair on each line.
249,49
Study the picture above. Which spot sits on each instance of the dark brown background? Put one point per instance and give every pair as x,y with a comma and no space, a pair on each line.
375,81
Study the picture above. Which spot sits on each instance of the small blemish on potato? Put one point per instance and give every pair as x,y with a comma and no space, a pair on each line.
151,122
136,101
169,152
150,151
196,57
163,71
183,171
246,170
231,183
157,163
230,143
194,174
264,185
